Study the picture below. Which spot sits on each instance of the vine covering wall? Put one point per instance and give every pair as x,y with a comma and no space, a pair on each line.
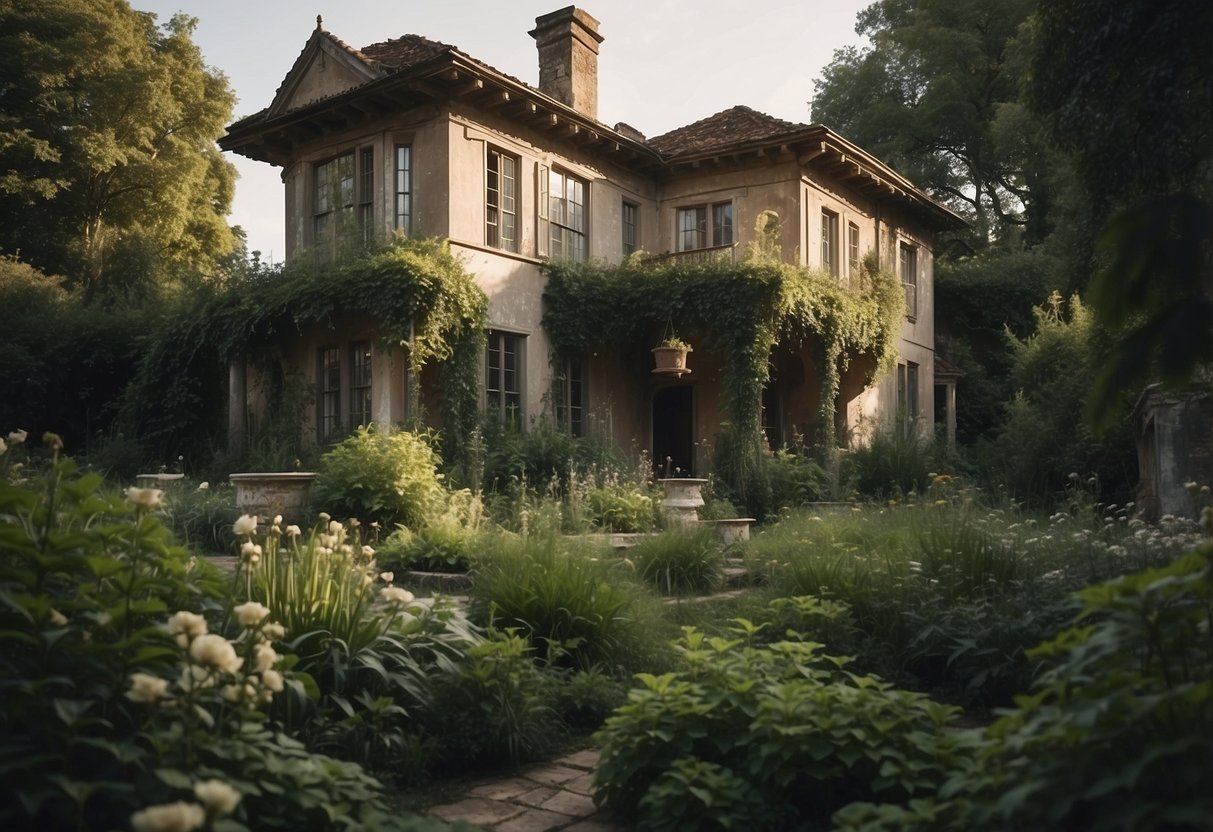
742,311
414,289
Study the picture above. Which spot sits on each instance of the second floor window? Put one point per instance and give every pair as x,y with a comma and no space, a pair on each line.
566,217
694,231
829,242
501,201
402,206
629,217
503,361
853,251
333,200
909,278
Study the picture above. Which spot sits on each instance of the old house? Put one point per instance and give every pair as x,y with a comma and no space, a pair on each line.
417,137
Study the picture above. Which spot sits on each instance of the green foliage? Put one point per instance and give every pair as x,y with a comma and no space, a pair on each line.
583,699
895,461
764,737
415,290
544,454
622,508
380,475
438,547
202,517
780,480
575,610
1118,734
737,310
109,171
680,561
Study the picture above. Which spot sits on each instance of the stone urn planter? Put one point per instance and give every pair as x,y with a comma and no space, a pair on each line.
266,495
164,482
734,529
682,499
671,358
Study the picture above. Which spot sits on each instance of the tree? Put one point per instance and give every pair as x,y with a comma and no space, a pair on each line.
109,171
936,96
1127,88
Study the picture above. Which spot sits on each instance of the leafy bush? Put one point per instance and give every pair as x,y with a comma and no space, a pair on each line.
543,454
441,547
775,736
680,560
1118,734
621,508
778,481
583,699
377,475
575,610
202,516
894,462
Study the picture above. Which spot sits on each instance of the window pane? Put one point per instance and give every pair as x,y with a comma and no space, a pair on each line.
404,188
722,224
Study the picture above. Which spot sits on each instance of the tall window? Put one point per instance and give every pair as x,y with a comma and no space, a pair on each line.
360,383
403,202
333,200
630,214
571,398
907,394
328,422
366,194
829,242
853,251
500,201
503,376
566,217
693,229
909,278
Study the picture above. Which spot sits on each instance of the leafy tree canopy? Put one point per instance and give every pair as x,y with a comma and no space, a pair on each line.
936,95
109,171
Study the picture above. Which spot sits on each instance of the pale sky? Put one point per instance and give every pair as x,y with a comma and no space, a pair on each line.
663,63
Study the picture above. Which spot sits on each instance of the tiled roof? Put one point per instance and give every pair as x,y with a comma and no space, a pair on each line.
730,127
404,51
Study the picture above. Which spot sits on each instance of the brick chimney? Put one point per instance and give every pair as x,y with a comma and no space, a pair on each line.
568,58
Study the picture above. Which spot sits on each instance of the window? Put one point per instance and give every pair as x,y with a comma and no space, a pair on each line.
333,203
909,278
829,242
503,376
630,214
564,198
328,421
402,209
693,230
360,383
571,397
500,201
366,194
907,394
853,251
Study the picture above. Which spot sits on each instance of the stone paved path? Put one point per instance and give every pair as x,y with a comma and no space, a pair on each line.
543,797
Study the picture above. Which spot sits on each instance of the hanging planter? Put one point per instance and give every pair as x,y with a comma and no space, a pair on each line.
671,357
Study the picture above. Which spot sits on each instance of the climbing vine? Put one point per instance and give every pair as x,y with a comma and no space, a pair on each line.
414,289
741,311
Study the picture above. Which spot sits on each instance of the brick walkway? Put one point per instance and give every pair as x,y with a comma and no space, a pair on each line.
548,796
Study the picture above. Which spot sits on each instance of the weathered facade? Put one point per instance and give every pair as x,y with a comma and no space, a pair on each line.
416,137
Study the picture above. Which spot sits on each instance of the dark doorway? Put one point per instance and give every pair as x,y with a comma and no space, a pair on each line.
673,432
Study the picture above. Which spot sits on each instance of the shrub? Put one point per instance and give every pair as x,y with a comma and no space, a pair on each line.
575,610
896,461
778,481
442,547
776,736
543,454
201,516
389,477
680,561
621,508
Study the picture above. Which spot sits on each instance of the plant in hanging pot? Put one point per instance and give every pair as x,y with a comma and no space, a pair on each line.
671,357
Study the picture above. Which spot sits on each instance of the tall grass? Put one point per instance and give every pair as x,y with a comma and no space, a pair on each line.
680,561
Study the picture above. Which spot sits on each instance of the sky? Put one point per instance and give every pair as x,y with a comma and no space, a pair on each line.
663,63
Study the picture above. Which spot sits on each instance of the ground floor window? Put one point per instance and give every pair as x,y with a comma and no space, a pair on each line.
572,396
503,363
343,376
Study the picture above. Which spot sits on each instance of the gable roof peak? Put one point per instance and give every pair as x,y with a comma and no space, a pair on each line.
736,124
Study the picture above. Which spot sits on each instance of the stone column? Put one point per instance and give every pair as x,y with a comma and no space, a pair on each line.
237,404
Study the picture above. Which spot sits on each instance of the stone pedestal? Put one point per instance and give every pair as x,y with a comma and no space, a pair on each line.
265,495
734,529
165,482
682,499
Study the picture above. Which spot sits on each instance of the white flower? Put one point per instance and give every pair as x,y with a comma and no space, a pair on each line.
247,524
368,552
264,657
277,519
215,651
144,498
187,623
3,447
58,618
251,613
195,677
293,531
396,595
233,693
335,527
250,551
16,437
274,631
272,679
169,817
204,486
387,577
217,796
146,688
325,517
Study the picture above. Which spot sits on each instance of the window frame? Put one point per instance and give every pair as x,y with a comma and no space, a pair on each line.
908,268
572,402
829,242
332,207
507,401
361,381
722,227
500,202
328,395
402,188
629,220
565,229
853,256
